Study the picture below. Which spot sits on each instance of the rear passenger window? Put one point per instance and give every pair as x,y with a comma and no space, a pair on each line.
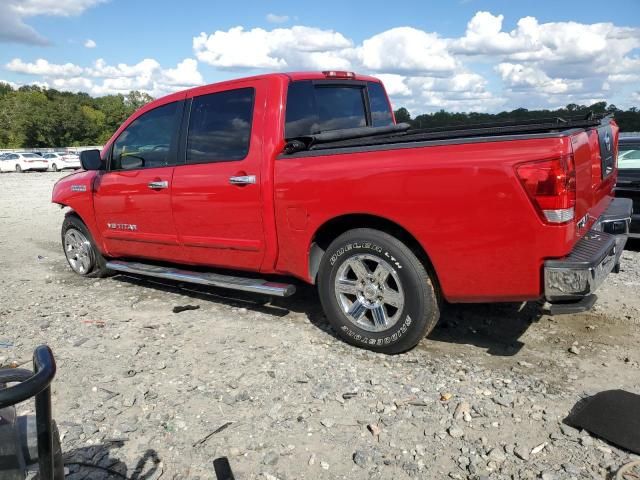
220,126
380,110
315,108
146,142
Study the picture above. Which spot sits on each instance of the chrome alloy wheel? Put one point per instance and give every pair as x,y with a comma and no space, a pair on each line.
79,251
369,292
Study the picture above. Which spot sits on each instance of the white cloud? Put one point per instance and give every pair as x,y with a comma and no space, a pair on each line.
143,68
90,43
44,68
277,49
53,7
273,18
533,65
185,74
517,76
395,84
102,78
406,49
14,12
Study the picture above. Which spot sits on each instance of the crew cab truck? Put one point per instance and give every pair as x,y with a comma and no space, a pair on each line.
307,175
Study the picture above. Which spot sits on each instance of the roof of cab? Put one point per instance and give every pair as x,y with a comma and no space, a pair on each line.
292,76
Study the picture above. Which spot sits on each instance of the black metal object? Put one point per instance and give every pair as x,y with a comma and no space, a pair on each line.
222,469
36,384
576,306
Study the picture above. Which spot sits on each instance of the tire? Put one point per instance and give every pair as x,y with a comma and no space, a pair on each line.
81,252
54,167
376,293
19,169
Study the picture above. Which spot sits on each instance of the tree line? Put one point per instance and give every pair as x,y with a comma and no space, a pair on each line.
32,116
628,120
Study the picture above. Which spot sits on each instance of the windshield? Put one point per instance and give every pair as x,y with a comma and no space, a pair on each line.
629,157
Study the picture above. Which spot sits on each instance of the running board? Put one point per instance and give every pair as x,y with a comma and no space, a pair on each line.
253,285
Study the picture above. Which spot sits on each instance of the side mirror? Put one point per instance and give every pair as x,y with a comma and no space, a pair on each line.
90,160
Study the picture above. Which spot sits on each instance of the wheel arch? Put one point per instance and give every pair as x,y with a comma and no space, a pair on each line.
332,229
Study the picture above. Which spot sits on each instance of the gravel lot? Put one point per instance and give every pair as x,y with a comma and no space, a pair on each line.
152,394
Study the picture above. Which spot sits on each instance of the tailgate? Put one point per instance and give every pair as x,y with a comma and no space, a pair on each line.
595,152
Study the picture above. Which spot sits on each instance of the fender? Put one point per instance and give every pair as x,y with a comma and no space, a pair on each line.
76,192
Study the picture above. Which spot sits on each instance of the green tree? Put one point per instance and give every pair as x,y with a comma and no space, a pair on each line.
402,115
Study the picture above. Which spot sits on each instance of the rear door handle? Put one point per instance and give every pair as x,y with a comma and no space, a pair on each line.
242,180
158,185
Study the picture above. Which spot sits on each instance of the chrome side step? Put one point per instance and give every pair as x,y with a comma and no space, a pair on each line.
253,285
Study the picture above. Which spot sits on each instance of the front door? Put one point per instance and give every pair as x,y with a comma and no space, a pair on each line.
132,199
217,191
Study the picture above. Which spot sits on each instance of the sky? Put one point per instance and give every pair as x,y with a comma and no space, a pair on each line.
456,55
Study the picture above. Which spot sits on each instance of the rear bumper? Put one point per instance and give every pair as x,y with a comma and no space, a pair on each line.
580,273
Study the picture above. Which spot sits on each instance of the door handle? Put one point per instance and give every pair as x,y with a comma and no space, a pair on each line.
158,184
242,180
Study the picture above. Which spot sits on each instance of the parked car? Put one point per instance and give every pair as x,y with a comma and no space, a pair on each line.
23,162
62,161
628,185
3,155
306,175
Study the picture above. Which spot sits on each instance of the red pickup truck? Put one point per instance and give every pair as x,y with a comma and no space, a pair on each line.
307,175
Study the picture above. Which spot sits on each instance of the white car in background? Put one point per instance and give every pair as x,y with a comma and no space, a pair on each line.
23,162
62,161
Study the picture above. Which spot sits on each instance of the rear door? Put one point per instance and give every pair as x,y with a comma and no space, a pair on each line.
217,191
133,198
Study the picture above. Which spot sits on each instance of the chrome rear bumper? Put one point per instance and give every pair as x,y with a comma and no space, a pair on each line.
597,254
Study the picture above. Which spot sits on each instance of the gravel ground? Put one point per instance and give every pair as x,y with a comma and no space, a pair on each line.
151,393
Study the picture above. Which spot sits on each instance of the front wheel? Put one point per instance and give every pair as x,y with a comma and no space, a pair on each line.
83,256
376,293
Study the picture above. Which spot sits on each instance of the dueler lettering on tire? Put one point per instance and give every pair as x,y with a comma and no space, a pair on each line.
375,292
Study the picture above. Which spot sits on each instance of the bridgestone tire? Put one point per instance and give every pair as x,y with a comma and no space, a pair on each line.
420,308
98,267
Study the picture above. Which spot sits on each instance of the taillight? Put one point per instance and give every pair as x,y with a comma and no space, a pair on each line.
551,186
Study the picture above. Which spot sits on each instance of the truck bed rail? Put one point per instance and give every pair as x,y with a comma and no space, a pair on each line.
342,139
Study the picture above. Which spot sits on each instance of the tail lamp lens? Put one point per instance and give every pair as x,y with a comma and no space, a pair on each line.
551,186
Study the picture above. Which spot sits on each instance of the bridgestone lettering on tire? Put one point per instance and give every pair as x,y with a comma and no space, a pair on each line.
376,293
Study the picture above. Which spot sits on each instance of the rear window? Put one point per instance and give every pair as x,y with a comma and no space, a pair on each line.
31,155
629,157
319,107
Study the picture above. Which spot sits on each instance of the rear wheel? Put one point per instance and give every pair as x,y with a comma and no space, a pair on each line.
376,293
54,167
82,254
19,169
